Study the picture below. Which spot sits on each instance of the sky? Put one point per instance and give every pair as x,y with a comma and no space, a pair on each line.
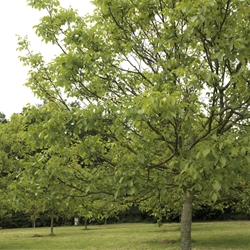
16,18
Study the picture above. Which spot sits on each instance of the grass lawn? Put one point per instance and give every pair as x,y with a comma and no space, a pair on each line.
212,235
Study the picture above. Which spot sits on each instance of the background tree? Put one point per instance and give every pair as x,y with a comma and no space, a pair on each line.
161,89
12,150
3,173
3,118
55,173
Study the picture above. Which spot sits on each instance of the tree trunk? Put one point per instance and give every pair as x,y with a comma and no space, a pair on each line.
34,223
52,223
186,221
85,223
105,221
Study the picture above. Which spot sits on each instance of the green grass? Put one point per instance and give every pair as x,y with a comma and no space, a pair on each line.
213,235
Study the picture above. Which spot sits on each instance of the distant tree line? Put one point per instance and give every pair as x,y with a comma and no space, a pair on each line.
131,215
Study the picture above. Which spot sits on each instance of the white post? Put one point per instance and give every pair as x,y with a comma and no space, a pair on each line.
76,222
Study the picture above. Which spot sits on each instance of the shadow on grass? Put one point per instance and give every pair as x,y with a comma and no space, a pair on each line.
154,243
165,241
37,235
168,230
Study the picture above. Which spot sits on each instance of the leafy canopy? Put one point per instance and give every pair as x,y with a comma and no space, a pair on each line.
148,98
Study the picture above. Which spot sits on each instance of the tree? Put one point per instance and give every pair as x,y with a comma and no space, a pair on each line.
2,118
160,92
37,189
12,149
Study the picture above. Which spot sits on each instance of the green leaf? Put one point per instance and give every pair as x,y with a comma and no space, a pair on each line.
206,152
235,150
243,151
131,191
87,189
193,19
116,194
223,161
202,18
214,197
217,185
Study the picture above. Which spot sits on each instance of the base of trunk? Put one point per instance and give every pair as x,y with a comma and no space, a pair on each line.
186,221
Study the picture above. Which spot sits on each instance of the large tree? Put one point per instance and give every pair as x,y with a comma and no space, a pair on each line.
150,96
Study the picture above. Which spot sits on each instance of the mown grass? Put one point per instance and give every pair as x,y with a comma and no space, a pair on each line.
217,235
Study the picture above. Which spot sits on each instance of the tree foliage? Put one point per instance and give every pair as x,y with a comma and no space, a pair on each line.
148,100
3,118
12,150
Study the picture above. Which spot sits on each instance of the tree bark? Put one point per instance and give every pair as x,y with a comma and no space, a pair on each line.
34,223
52,223
85,223
186,221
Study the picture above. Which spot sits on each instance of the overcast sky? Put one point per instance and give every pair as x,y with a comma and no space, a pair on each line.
18,18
